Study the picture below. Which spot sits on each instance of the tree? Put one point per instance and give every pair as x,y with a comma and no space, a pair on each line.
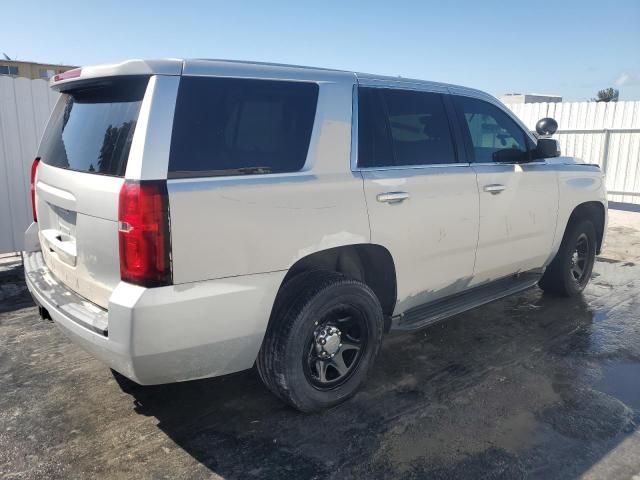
607,95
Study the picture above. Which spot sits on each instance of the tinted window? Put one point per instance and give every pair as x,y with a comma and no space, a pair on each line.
402,127
226,126
374,144
92,128
419,128
491,134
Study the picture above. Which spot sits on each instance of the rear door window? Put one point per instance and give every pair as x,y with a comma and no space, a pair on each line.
92,127
419,128
403,128
228,126
374,141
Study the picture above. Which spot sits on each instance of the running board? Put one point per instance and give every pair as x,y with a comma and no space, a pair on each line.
427,314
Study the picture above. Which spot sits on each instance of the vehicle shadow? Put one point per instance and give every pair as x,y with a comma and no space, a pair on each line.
505,389
14,294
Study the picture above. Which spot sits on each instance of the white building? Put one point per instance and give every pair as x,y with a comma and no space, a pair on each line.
511,98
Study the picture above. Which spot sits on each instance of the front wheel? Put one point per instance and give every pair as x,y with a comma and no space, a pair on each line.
570,270
325,332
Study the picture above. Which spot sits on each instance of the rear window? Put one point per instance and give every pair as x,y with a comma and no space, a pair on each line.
92,127
225,126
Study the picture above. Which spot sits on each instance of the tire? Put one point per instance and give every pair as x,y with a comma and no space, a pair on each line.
560,278
312,308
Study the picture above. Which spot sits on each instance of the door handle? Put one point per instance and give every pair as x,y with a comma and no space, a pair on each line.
392,197
494,188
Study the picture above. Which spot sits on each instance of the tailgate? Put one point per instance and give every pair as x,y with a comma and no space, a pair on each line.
83,156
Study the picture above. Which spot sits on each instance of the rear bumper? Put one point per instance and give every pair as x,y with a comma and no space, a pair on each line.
168,334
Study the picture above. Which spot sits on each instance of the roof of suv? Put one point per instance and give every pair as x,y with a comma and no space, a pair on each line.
320,70
197,66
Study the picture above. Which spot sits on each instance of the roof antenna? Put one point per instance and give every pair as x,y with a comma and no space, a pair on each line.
6,57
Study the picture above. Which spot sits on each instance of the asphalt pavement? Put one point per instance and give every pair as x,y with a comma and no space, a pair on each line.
526,387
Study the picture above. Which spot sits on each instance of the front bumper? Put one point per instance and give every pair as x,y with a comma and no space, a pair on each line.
168,334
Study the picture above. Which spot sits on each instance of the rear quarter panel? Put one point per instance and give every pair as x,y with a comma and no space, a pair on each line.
229,226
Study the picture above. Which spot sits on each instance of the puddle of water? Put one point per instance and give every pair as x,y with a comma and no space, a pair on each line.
620,380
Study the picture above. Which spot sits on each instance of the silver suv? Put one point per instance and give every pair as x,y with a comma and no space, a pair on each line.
194,218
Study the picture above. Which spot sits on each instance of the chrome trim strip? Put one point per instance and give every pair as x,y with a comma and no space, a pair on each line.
413,167
255,178
487,164
494,188
265,71
392,197
403,84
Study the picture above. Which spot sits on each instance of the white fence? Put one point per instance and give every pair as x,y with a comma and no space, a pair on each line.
25,106
604,133
597,132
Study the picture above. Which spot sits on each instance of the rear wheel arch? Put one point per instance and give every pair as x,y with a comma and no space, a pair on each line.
371,264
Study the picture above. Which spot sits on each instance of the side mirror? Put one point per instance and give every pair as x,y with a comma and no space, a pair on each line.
546,127
547,148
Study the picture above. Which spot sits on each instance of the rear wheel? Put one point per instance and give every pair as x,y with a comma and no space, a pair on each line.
325,332
570,271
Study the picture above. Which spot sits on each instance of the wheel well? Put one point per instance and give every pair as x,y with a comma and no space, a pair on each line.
593,211
371,264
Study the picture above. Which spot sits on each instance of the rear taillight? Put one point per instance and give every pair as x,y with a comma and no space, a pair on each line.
34,170
143,231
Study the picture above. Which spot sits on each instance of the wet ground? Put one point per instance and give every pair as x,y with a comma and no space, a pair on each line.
526,387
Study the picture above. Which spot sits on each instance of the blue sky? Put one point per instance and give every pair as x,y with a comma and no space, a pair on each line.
571,48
